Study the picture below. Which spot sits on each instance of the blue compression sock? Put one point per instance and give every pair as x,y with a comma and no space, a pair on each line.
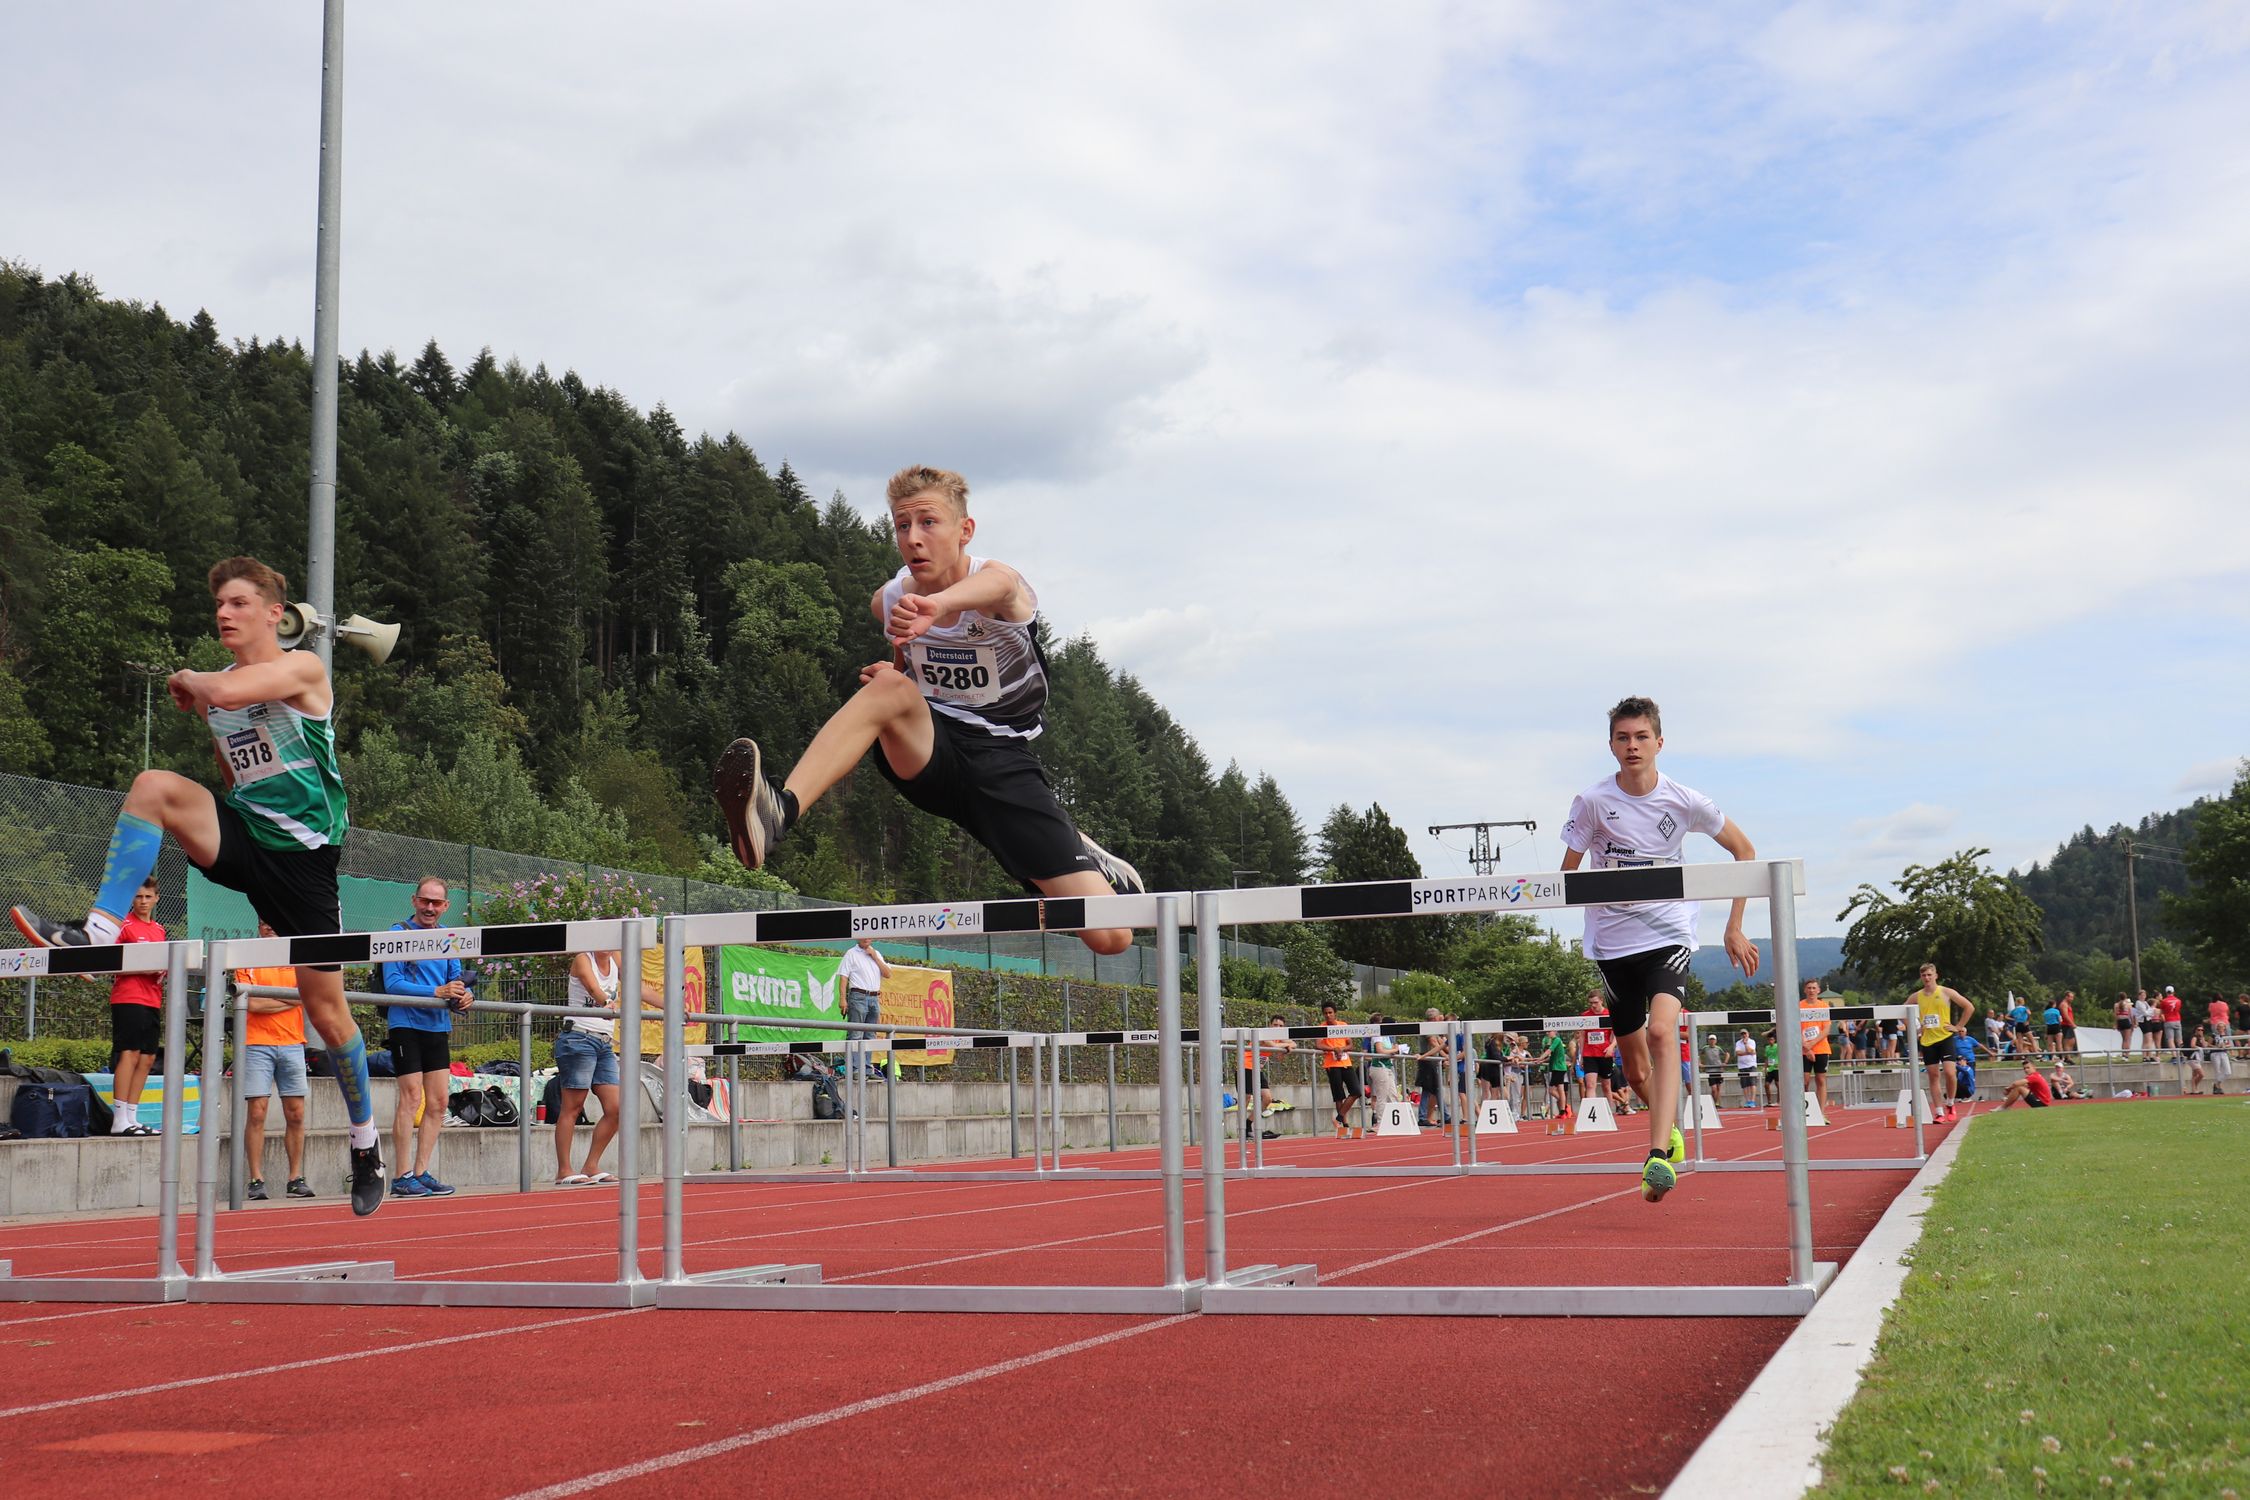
132,854
350,1059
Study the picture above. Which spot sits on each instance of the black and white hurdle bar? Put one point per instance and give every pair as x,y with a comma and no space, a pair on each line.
173,960
1692,1096
1777,882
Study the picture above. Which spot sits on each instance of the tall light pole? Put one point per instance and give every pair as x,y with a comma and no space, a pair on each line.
320,528
2133,913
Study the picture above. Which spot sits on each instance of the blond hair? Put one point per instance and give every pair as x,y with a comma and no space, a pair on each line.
253,572
921,479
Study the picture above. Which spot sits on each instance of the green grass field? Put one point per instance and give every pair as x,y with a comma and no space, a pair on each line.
2077,1317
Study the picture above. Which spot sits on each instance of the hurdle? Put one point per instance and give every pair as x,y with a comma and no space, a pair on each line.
800,1288
173,960
374,1283
1777,882
1703,1163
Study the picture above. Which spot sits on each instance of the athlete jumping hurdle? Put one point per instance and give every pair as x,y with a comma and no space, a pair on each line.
951,716
274,835
1640,817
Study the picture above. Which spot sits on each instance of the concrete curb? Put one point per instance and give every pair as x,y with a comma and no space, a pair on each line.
1772,1441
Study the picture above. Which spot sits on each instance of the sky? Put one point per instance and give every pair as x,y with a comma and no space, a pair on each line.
1390,388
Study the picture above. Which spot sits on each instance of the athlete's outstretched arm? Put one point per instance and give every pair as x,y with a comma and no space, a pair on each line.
1741,952
298,675
994,589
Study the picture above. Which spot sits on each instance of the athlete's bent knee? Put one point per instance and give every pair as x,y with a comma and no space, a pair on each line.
1108,941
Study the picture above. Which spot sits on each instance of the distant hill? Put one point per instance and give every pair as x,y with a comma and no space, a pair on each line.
1816,957
2081,891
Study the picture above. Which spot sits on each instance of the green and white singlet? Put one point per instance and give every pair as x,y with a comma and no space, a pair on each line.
282,773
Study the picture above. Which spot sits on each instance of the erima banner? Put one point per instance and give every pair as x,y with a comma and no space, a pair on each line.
778,989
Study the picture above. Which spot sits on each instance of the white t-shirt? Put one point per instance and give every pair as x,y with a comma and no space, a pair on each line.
1745,1054
605,1026
1616,831
861,971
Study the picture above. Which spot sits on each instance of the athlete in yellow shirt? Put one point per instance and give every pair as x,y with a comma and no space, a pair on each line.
1946,1014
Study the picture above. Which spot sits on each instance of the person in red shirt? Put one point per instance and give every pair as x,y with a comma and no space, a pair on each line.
2031,1089
2069,1008
136,1017
2169,1007
1597,1053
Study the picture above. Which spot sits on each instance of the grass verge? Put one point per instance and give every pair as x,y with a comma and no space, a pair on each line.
2076,1320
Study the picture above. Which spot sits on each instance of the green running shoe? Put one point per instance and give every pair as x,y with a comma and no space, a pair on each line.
1678,1152
1657,1179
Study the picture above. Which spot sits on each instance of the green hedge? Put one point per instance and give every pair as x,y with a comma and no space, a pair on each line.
76,1054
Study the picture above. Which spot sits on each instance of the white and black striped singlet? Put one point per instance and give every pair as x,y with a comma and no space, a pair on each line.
983,672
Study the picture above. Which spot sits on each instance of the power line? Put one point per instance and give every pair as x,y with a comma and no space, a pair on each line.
1481,857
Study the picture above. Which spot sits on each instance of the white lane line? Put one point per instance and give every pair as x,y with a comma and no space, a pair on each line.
91,1312
795,1425
194,1382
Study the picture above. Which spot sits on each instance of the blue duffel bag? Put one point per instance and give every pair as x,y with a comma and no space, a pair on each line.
52,1111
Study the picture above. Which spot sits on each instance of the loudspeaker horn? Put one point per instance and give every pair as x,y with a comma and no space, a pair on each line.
373,637
299,624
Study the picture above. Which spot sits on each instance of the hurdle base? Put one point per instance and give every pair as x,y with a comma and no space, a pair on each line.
14,1288
776,1274
1842,1164
1271,1275
1515,1301
327,1270
783,1297
378,1293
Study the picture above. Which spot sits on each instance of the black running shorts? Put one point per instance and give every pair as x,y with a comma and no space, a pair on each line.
1600,1067
995,788
292,890
133,1028
1632,981
1816,1062
414,1050
1343,1084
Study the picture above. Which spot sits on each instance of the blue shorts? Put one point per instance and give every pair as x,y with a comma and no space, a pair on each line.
584,1060
273,1068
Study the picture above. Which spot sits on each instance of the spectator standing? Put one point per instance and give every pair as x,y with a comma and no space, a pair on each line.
1382,1067
1714,1066
1427,1074
2168,1009
1492,1072
1945,1015
2019,1022
2051,1023
2220,1018
421,1043
273,1062
2121,1016
1336,1062
2198,1046
1769,1053
864,972
1812,1011
1746,1067
2147,1019
1554,1063
1517,1071
2068,1005
586,1062
136,1015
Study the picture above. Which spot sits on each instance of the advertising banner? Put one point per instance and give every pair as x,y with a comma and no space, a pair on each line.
777,989
694,988
918,997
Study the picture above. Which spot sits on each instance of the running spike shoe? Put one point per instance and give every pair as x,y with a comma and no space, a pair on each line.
747,801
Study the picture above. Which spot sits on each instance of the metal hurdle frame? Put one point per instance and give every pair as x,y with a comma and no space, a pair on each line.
173,960
1695,1096
799,1287
373,1282
1777,882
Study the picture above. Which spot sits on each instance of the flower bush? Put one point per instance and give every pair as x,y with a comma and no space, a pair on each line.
552,897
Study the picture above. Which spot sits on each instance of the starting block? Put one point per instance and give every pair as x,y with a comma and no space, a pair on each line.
1911,1107
1349,1132
1496,1118
1595,1115
1396,1118
1565,1125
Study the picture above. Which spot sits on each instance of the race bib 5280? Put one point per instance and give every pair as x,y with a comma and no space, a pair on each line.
968,675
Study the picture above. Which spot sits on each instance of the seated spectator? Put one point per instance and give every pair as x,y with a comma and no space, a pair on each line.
2031,1090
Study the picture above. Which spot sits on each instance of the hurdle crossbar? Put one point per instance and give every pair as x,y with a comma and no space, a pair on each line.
1694,1095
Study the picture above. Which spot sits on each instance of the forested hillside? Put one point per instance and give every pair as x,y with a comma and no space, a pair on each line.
595,602
2081,891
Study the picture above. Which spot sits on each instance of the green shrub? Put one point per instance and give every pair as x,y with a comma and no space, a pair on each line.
79,1055
542,1053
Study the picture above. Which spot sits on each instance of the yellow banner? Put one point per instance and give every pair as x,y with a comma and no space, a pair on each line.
918,997
652,998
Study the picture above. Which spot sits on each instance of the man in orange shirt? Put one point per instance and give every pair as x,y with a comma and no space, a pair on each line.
274,1062
1343,1073
1812,1024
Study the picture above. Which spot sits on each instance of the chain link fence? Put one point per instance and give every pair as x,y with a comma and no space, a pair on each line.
54,838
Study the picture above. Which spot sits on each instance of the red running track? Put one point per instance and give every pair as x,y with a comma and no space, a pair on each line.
369,1401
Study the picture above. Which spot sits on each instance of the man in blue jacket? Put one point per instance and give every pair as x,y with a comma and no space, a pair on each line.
421,1044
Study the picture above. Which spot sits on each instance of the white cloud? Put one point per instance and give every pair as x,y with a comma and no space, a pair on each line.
2211,778
1907,830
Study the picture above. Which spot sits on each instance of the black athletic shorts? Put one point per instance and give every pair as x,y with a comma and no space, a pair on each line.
1490,1073
1816,1062
293,890
2035,1101
1633,980
133,1028
1600,1067
1343,1083
417,1051
1558,1077
996,789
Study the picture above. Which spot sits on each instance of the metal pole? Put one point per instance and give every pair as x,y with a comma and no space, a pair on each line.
675,1099
1169,1154
734,1109
523,1104
1055,1102
207,1134
168,1147
1194,1058
631,937
31,1009
1695,1085
320,531
1066,1019
218,989
1207,1031
1245,1064
1109,1056
1915,1103
2133,912
890,1097
1781,902
1476,1102
1015,1115
1449,1097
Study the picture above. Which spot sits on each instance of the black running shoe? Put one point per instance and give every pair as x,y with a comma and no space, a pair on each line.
299,1188
367,1179
1122,877
45,934
747,801
257,1190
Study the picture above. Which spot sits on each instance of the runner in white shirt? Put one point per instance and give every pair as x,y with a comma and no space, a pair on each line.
1641,817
